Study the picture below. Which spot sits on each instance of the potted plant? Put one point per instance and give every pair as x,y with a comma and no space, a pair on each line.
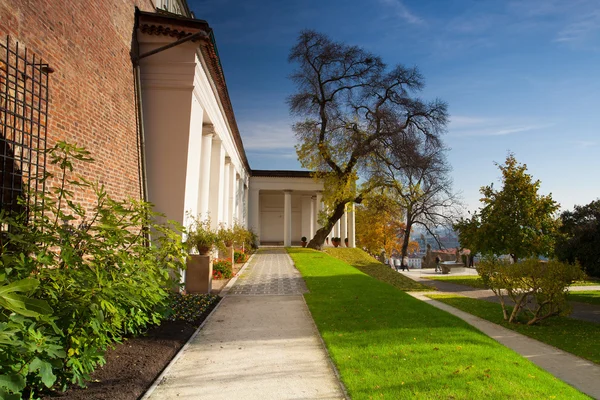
303,240
201,238
336,241
346,242
226,236
327,240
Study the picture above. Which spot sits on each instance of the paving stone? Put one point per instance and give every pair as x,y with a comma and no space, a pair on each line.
272,275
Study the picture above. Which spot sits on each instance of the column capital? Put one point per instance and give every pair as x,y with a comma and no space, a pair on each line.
287,191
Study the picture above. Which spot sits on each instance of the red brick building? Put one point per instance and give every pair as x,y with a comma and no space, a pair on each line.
92,102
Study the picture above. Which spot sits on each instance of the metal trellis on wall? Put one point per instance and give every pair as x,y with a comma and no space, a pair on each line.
23,118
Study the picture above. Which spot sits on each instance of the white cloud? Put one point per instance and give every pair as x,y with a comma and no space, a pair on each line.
584,144
461,125
581,28
403,12
276,134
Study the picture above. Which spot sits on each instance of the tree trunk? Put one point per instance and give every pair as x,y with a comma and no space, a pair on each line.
317,241
406,241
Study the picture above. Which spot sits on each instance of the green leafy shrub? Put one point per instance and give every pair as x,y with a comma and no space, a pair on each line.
98,271
200,236
226,237
222,269
537,289
244,238
240,257
190,307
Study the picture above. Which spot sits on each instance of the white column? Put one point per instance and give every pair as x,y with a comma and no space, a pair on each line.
313,210
351,226
336,229
319,203
205,174
254,212
226,188
287,217
232,195
306,217
239,192
217,161
343,231
245,206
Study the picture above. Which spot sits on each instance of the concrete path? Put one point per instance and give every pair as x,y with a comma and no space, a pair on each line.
582,374
260,343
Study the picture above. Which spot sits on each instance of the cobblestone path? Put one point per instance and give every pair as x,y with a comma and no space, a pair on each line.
271,272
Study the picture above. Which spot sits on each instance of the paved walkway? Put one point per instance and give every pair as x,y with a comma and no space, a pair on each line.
260,343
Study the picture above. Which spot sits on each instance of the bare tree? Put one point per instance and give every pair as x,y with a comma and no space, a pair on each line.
417,173
351,104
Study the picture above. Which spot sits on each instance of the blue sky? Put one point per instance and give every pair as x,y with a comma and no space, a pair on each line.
520,76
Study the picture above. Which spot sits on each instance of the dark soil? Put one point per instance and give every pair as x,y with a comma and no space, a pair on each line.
132,367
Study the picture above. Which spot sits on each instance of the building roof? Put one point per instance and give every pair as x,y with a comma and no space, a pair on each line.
179,27
281,173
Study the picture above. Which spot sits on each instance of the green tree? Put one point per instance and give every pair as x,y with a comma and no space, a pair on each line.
514,220
580,237
352,105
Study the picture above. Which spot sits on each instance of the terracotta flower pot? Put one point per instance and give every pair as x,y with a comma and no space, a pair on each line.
203,250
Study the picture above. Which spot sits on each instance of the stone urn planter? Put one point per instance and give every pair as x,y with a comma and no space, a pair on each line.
303,241
336,241
198,275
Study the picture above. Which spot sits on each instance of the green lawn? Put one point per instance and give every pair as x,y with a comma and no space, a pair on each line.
575,336
370,266
586,296
589,282
387,344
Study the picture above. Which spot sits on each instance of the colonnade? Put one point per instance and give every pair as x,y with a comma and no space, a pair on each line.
310,207
222,193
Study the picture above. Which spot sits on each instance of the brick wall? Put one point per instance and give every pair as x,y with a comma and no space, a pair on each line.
92,101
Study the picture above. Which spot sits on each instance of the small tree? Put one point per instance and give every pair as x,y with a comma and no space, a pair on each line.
514,220
351,103
537,289
580,237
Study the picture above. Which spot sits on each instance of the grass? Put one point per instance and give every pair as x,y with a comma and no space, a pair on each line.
370,266
586,296
589,282
387,344
574,336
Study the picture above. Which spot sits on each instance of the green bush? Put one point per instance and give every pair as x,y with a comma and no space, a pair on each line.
99,274
537,289
200,236
222,269
240,257
190,307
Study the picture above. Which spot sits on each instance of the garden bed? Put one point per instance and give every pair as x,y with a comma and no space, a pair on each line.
131,367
